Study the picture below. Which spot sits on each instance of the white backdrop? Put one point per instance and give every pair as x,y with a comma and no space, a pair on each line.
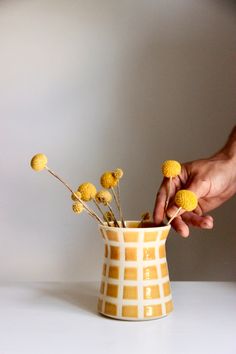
102,84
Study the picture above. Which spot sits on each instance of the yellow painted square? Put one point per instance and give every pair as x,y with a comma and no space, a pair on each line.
113,272
150,272
115,252
112,290
162,251
130,253
164,269
99,307
102,287
169,306
164,234
152,310
130,236
104,268
166,288
150,236
151,292
130,311
131,273
106,251
148,253
132,224
110,309
130,292
112,235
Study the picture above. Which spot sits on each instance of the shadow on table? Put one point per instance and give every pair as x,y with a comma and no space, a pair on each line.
82,295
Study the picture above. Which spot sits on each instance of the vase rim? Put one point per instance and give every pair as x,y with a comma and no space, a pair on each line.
151,228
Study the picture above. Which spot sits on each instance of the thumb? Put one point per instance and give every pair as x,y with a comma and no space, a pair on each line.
197,186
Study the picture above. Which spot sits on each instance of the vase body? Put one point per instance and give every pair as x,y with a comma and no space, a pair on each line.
135,281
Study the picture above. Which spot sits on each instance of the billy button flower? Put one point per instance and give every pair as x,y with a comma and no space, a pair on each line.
77,207
108,180
184,199
170,169
39,162
118,174
76,196
88,192
104,197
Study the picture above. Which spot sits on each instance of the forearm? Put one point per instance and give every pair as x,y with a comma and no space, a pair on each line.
228,156
230,147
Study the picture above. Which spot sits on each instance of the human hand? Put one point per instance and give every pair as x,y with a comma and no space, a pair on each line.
213,180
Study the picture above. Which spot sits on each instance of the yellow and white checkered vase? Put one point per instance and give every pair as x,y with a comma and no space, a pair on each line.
135,281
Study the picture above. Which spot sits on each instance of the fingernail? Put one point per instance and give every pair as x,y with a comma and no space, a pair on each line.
207,225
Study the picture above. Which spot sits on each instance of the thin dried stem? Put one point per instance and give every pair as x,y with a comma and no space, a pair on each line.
174,216
90,211
118,205
145,216
100,209
113,215
168,193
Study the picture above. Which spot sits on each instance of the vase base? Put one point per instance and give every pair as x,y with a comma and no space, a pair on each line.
133,319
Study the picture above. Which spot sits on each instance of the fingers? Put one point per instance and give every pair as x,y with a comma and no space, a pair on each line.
200,188
159,209
203,222
180,226
181,223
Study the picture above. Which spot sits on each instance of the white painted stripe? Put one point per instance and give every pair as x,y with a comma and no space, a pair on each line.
147,302
121,274
139,282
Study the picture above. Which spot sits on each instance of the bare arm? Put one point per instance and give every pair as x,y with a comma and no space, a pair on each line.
212,179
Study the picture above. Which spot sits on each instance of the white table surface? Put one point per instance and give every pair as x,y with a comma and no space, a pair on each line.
61,318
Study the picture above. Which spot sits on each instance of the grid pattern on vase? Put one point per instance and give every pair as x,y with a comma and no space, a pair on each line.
135,281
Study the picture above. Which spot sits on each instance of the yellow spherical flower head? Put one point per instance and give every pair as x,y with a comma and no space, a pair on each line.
103,197
39,162
118,173
78,194
186,199
77,208
171,168
108,180
108,216
88,191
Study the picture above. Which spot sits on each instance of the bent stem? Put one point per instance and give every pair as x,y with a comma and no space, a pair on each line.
174,216
89,211
118,204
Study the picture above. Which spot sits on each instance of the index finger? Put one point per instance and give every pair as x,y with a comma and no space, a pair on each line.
159,208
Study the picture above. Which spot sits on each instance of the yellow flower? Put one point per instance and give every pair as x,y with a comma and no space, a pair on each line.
108,180
103,197
39,162
88,191
118,173
77,208
186,200
171,168
108,216
78,194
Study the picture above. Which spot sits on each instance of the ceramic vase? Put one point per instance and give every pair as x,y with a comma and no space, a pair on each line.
135,281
